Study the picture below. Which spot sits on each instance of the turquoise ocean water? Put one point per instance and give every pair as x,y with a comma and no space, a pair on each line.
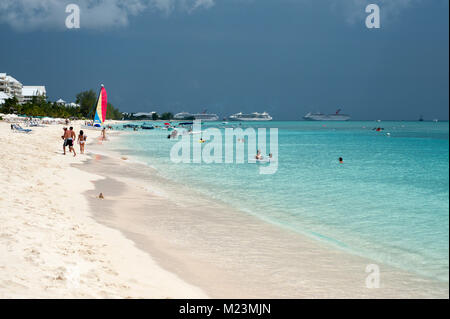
389,201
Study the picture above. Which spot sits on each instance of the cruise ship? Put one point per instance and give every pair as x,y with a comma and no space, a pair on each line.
206,117
199,116
183,116
326,117
251,117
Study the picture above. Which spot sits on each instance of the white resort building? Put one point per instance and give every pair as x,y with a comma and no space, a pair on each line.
61,102
28,92
11,87
72,104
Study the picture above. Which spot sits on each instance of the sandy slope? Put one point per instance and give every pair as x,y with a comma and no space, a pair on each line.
50,247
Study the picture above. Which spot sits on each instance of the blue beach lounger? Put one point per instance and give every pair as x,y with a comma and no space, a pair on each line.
18,128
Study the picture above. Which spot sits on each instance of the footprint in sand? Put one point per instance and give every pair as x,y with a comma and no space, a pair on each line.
110,271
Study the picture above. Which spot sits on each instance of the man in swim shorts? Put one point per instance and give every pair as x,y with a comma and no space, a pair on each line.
71,137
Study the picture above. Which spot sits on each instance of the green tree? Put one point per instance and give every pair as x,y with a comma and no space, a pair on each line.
87,100
155,116
112,113
39,106
166,116
10,106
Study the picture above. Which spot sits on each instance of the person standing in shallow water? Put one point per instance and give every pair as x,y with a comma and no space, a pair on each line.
341,160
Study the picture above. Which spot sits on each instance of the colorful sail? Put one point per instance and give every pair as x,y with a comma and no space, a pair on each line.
102,104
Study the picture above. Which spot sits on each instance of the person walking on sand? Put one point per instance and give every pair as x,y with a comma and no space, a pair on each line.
65,136
70,140
82,141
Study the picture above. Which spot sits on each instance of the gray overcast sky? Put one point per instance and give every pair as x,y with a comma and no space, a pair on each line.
286,57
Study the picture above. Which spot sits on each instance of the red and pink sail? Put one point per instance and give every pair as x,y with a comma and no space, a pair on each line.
102,104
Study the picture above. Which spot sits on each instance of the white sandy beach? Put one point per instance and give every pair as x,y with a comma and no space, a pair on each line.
50,246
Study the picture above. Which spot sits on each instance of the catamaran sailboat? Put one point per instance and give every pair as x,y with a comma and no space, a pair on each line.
100,110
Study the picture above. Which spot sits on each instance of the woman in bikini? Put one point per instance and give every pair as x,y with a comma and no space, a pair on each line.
82,141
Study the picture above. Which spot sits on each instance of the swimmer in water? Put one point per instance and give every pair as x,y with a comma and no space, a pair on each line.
258,155
341,160
174,134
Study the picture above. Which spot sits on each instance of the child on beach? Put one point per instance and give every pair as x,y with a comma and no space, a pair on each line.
82,141
64,137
